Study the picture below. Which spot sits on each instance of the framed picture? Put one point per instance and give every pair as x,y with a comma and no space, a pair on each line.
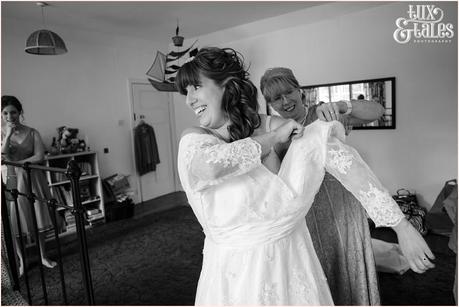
380,90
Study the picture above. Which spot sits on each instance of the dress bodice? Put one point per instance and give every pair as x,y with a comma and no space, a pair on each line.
24,149
243,207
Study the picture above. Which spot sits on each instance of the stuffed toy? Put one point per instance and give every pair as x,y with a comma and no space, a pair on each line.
67,141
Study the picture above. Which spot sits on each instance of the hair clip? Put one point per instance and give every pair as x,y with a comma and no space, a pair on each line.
191,58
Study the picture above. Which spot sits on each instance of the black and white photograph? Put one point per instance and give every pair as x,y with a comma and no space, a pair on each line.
278,153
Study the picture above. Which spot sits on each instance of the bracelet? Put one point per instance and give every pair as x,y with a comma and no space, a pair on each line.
349,107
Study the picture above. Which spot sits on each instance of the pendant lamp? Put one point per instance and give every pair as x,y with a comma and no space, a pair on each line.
45,42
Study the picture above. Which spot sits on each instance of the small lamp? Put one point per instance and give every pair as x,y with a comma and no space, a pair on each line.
45,42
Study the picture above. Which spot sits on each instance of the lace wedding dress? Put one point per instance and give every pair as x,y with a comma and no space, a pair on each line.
257,249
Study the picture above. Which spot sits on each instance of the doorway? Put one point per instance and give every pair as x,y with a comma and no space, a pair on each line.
155,109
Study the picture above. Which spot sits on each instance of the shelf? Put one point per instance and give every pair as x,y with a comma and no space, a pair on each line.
70,155
84,203
89,220
88,202
68,181
90,184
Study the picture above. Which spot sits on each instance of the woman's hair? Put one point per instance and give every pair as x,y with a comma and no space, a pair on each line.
226,68
275,81
11,101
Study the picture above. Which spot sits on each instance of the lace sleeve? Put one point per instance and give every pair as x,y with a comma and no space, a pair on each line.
204,160
346,165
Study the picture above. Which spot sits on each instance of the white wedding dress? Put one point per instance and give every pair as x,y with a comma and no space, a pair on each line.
257,249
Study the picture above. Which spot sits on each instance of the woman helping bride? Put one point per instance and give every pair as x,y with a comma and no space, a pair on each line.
257,249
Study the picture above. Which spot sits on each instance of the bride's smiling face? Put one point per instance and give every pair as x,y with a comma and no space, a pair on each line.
205,99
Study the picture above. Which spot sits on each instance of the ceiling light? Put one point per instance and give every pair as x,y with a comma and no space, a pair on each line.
44,42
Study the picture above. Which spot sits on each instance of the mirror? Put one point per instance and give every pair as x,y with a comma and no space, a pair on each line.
380,90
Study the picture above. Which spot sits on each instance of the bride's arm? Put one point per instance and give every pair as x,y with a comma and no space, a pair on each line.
205,160
344,163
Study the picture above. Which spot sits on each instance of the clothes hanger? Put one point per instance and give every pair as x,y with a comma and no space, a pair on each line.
141,121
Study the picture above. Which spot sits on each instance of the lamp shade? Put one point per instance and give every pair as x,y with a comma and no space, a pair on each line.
45,42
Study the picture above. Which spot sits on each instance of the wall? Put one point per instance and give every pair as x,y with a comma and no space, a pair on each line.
86,88
353,41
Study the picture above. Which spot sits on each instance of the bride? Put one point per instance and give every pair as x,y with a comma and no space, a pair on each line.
257,249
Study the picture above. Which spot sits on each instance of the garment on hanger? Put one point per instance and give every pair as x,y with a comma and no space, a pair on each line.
146,149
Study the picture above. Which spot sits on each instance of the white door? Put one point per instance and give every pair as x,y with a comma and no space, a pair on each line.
153,107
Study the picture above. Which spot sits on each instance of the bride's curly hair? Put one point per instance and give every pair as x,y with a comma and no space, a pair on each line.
225,67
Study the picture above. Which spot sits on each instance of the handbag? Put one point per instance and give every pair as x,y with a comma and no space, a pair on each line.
438,220
414,213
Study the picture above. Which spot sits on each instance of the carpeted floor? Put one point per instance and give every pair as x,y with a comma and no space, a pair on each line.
432,288
155,259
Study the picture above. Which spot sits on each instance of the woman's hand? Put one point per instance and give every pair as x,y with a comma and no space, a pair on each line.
6,139
288,130
414,247
10,128
328,111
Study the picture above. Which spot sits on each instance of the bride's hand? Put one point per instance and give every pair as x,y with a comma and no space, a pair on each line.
414,247
288,130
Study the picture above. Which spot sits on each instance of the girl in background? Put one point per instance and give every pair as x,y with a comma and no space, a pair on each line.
22,144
